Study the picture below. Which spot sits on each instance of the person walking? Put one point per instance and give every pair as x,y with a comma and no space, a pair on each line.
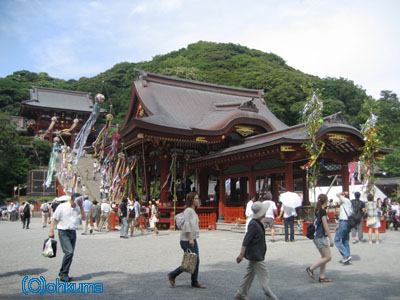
321,237
96,214
188,239
67,218
373,221
27,216
154,216
87,210
249,212
289,213
131,217
343,228
254,249
105,214
358,209
123,208
270,214
136,222
45,213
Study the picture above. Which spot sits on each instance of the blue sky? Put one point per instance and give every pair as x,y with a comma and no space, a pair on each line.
354,39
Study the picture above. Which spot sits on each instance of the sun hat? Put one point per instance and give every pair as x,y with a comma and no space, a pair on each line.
259,209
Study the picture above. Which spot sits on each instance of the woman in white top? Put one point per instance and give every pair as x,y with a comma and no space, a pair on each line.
189,236
154,220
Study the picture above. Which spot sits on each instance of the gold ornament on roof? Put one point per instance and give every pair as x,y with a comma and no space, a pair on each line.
244,130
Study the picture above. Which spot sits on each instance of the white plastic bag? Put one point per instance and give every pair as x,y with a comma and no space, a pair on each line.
48,248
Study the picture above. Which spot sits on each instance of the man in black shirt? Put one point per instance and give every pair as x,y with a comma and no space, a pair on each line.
358,209
253,249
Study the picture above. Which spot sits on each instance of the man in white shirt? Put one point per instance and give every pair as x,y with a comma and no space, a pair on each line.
87,209
105,213
67,217
289,213
343,229
45,213
270,214
249,212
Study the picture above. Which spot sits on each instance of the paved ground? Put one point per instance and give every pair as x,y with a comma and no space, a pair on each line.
136,268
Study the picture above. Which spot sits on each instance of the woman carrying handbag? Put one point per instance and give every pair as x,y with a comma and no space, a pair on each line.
188,239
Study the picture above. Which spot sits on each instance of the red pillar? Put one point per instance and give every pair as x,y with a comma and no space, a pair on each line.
164,166
243,189
252,182
203,185
72,140
148,179
345,177
275,189
289,176
221,201
306,200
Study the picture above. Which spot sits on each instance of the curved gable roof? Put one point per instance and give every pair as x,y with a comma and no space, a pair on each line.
198,107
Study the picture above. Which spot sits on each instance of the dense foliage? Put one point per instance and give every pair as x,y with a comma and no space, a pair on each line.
286,89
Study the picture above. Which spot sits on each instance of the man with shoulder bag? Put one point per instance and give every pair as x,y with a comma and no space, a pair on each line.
45,213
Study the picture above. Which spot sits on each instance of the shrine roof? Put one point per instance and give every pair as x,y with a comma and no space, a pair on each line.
193,107
41,97
292,135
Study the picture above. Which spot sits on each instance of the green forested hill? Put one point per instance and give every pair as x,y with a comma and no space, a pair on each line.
286,88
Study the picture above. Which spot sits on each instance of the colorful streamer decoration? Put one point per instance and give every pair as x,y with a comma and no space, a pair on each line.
369,150
74,124
52,162
312,118
83,134
102,137
53,122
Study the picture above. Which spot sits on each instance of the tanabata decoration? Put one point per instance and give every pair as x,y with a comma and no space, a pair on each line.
312,118
53,122
52,162
369,150
74,124
83,134
102,137
120,179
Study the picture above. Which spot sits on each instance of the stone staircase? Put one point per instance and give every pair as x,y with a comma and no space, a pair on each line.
279,229
92,186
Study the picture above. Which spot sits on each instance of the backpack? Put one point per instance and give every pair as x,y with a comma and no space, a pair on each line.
132,213
357,212
180,220
45,208
27,209
311,228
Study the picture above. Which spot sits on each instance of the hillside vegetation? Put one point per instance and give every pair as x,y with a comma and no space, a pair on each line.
285,88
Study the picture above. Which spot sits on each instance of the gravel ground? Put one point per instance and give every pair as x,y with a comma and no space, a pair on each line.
137,268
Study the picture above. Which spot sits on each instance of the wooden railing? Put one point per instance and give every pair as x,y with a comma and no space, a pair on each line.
232,214
207,216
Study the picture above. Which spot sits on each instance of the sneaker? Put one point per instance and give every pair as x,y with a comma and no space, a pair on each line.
240,297
346,260
354,241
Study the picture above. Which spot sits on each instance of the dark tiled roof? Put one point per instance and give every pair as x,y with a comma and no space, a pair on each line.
59,99
197,106
291,135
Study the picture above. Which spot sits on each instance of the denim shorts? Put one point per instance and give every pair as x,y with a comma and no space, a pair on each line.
268,222
321,242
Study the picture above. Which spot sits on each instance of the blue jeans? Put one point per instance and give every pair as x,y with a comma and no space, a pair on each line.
289,222
195,249
124,227
342,239
68,241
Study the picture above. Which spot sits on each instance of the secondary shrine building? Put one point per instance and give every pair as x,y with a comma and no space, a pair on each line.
36,113
225,135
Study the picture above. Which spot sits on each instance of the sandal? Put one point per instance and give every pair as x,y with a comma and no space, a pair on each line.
324,280
310,273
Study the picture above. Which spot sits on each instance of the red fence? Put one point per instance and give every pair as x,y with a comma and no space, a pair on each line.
232,214
207,216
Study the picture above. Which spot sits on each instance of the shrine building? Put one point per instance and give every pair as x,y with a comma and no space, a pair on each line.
226,135
45,103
